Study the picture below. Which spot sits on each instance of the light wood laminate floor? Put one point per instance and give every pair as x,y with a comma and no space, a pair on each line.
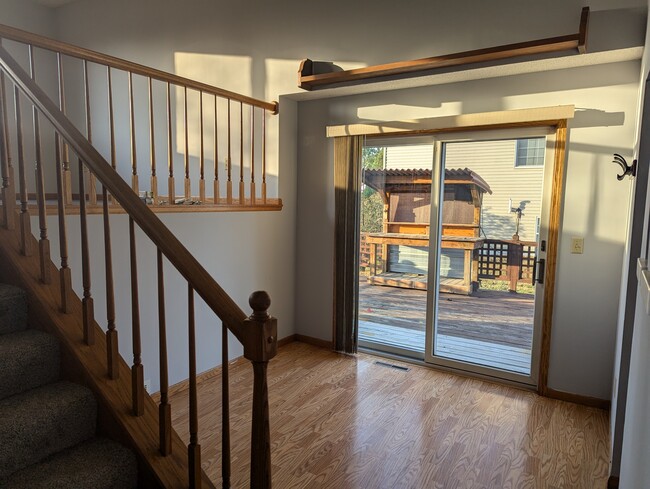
344,422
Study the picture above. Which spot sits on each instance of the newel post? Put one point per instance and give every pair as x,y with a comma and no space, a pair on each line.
261,345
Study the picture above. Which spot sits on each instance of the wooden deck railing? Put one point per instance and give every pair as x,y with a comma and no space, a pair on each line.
506,260
509,260
256,332
229,162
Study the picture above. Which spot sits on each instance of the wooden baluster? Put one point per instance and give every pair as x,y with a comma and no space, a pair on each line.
229,163
164,410
188,187
67,176
202,155
137,370
259,348
193,449
111,125
65,274
92,183
264,156
152,146
225,410
44,242
4,113
242,195
87,302
112,354
8,187
24,218
216,153
111,117
134,155
253,155
171,187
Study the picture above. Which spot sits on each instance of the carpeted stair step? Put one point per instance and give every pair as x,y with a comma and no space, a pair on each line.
43,421
13,309
95,464
28,359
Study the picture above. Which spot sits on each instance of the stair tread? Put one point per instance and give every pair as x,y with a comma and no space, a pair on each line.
43,421
13,309
95,464
28,359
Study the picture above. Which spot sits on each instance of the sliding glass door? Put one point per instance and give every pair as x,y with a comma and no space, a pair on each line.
453,232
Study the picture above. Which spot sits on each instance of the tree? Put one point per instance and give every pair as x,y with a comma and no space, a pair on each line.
371,204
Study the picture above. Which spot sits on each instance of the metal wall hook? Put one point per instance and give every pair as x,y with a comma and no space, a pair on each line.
627,169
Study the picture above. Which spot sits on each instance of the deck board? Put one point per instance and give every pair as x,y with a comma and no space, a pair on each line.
492,328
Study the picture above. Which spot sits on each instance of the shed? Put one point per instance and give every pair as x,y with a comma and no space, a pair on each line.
404,238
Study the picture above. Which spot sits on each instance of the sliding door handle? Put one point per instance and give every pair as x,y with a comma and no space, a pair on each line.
539,267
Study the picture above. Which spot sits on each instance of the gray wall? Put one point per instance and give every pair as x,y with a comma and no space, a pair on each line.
587,288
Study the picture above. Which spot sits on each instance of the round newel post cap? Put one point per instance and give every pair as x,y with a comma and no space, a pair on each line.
260,301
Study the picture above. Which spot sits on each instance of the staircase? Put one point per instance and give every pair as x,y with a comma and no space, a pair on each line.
47,425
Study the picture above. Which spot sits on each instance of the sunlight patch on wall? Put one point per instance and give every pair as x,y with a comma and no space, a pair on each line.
231,73
397,112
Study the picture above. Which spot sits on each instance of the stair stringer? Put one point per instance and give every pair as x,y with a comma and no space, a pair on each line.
87,365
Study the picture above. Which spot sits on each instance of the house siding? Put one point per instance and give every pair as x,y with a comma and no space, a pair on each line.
494,161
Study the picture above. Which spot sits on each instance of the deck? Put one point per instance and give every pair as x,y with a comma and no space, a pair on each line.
491,328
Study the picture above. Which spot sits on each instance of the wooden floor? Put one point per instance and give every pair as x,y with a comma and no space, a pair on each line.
344,422
491,328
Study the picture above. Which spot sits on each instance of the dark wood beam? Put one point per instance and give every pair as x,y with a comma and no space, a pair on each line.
308,80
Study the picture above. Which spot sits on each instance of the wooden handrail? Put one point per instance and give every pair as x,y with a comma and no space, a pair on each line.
202,282
20,35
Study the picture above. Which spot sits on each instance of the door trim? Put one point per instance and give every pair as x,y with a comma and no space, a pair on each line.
557,194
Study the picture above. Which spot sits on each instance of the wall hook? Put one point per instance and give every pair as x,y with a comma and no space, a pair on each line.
627,169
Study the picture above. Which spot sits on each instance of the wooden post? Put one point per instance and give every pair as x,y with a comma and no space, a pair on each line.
193,448
514,265
261,345
164,409
88,304
171,185
25,221
467,271
225,410
8,192
65,274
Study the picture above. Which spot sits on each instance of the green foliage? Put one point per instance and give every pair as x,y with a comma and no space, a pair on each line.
371,204
373,158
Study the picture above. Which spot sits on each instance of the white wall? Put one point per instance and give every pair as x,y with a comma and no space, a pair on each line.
29,16
587,288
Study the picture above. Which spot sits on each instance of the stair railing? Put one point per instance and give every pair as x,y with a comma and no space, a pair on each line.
235,148
257,332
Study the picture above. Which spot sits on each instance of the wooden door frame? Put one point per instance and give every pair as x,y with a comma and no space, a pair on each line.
554,221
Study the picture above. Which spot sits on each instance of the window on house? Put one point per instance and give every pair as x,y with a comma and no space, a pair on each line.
530,152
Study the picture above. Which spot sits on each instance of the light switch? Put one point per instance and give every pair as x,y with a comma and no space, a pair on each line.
577,245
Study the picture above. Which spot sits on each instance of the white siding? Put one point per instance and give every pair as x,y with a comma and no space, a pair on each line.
494,161
410,157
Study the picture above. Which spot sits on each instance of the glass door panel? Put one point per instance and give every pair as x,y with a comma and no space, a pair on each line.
395,201
483,314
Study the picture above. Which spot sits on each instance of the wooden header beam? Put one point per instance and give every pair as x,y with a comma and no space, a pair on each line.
309,81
